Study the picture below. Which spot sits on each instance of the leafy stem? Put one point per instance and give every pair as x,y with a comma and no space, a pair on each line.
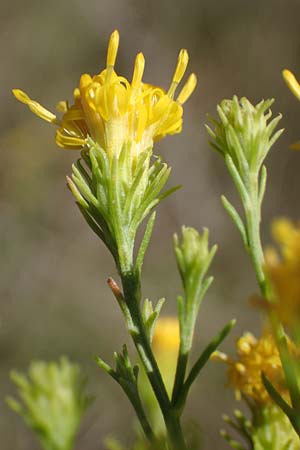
130,301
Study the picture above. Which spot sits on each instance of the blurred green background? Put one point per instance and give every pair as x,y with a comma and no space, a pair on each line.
54,298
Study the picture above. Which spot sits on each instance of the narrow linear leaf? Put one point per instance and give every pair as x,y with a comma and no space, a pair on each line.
145,242
237,180
275,137
75,191
274,394
153,318
235,142
204,288
201,361
216,147
262,185
106,367
91,222
211,133
169,192
156,185
236,219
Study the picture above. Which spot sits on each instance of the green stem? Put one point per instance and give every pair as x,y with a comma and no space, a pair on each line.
180,375
186,338
253,217
131,292
199,364
138,407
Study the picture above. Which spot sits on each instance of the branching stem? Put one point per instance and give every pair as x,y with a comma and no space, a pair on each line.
132,297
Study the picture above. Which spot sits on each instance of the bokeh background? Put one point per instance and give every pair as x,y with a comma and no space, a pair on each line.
53,295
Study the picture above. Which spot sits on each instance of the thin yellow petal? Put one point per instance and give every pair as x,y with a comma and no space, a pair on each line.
187,89
139,66
292,82
112,50
182,63
35,107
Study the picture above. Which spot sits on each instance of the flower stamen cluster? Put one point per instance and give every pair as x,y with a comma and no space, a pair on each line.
255,356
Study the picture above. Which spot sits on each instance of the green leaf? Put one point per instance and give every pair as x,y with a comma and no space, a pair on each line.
237,181
236,219
145,242
168,192
151,321
262,185
200,363
274,394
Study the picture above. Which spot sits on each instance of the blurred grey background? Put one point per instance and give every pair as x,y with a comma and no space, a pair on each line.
54,298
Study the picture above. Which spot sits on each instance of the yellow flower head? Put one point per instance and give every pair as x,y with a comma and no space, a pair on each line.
114,111
254,357
166,335
283,270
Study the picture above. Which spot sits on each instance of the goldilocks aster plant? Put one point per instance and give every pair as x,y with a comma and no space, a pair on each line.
117,183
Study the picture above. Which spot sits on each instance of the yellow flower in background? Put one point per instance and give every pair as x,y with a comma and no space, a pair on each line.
255,356
166,341
114,111
165,344
283,270
166,335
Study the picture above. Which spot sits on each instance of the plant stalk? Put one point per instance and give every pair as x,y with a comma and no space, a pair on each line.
132,298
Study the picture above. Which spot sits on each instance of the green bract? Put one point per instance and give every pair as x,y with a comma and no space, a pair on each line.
193,258
116,194
243,132
52,403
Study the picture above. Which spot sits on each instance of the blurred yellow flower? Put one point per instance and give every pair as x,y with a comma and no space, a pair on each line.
166,335
114,111
254,357
166,342
294,87
283,270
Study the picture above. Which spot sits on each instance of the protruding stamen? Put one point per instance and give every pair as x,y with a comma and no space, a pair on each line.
292,83
138,71
182,62
187,89
112,50
240,367
219,356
